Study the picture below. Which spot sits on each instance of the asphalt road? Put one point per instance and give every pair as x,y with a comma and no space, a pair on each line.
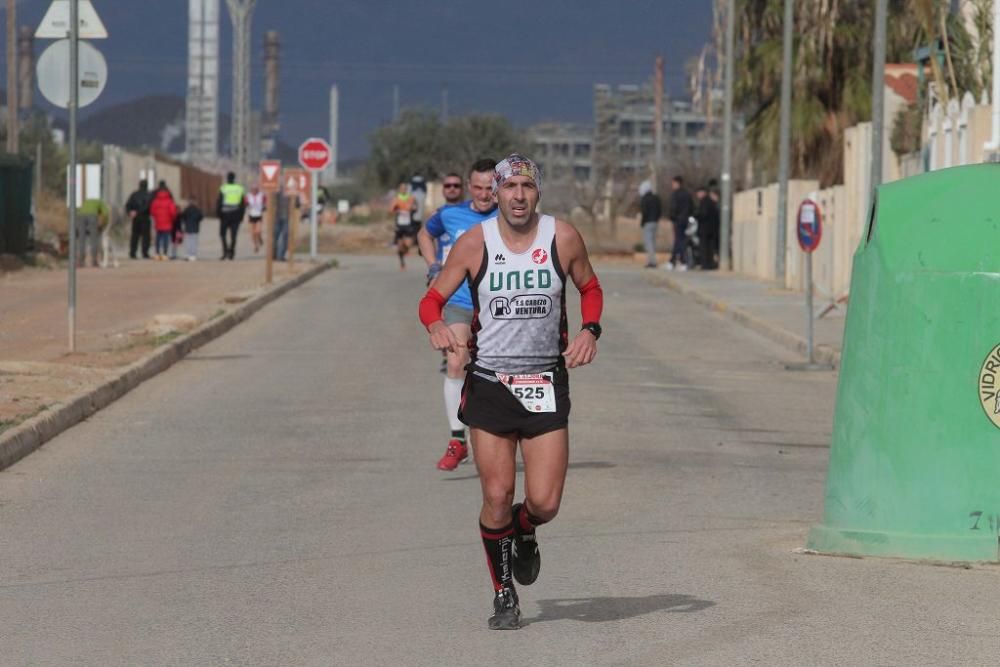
273,500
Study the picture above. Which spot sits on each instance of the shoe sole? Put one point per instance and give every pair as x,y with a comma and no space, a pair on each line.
446,469
505,623
526,574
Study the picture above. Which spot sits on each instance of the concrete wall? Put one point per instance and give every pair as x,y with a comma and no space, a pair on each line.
955,134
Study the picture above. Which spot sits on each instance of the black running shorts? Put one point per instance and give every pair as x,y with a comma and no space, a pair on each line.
407,231
488,405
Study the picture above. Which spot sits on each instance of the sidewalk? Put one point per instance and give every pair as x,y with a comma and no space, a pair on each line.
771,311
115,312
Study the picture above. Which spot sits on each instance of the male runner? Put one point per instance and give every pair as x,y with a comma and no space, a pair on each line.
451,190
517,390
453,221
256,205
403,206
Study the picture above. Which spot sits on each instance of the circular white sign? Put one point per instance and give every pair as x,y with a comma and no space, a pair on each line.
52,70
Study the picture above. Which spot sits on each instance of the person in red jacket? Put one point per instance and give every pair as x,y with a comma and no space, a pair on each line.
163,211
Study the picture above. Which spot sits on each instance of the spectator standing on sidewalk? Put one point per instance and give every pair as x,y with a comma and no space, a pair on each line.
92,214
137,209
650,211
708,227
282,217
191,218
681,208
230,207
163,210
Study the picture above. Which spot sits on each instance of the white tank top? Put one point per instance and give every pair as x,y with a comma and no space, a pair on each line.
255,204
520,323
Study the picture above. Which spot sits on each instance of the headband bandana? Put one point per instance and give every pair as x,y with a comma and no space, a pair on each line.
516,165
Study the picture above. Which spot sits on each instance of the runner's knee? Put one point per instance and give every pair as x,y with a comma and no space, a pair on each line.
497,500
545,508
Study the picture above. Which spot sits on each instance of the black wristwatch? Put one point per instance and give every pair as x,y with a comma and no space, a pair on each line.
594,328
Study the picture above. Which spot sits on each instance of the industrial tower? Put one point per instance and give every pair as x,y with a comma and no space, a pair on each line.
202,115
269,123
241,13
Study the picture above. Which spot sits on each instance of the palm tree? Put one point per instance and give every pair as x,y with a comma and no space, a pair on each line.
831,76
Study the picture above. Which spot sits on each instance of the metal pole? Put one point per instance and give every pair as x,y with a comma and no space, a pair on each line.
878,97
313,222
12,79
784,144
727,143
809,307
74,102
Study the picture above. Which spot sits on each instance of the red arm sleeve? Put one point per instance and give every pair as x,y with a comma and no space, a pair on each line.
591,301
431,307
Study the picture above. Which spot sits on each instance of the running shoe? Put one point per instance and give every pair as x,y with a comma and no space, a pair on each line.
506,611
456,453
525,559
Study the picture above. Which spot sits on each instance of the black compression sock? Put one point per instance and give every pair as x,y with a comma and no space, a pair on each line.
458,435
496,542
525,521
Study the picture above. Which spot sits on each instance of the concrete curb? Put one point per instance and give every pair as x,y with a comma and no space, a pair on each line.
824,353
32,434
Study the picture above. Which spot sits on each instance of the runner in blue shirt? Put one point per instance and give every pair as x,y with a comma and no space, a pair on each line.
442,230
453,193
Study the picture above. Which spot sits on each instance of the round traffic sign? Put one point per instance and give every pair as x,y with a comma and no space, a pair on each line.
809,225
52,70
315,154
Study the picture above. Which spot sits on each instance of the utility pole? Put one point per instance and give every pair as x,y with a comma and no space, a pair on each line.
444,105
727,142
12,79
658,122
395,102
241,14
878,97
25,68
784,143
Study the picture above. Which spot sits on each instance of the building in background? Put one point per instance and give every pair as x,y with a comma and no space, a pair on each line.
202,108
622,136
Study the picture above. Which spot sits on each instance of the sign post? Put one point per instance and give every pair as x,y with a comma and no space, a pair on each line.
809,229
270,183
314,155
74,101
65,21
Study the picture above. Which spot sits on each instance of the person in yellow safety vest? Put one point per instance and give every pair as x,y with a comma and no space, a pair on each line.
230,207
403,206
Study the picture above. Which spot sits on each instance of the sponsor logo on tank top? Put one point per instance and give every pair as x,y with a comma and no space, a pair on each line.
500,259
539,256
521,307
514,280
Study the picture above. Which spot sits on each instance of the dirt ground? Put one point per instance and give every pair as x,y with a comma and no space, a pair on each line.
114,316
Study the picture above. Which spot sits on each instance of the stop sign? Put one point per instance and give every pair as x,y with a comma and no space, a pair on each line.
315,154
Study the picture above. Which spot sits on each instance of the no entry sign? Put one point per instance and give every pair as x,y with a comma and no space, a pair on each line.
315,154
809,225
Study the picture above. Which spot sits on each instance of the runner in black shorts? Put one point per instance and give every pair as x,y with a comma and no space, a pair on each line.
517,388
403,207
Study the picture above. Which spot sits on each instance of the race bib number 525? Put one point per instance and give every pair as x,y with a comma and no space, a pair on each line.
535,392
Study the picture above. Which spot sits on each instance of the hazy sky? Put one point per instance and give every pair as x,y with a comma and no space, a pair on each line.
530,61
